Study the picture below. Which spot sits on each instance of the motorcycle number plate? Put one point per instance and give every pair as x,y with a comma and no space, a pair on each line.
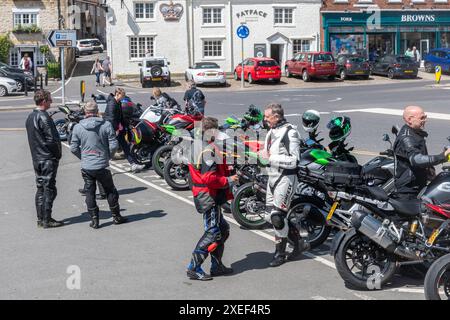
433,237
332,210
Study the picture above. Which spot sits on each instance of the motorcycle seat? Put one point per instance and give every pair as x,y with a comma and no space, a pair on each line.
378,193
407,208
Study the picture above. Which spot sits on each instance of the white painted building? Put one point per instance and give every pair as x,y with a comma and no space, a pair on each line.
189,31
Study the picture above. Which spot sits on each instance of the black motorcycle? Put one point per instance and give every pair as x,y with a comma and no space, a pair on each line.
437,280
65,125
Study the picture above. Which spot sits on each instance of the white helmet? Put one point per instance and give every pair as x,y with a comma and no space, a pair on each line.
310,120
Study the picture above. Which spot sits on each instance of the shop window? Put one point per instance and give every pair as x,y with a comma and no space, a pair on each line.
301,45
141,47
212,48
212,16
25,19
39,58
144,10
445,40
14,57
283,15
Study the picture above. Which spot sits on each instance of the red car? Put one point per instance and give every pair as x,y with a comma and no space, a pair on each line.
256,69
311,65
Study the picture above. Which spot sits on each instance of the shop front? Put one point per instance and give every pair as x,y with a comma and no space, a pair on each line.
392,32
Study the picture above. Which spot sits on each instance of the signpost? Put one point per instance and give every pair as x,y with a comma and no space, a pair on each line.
62,39
242,32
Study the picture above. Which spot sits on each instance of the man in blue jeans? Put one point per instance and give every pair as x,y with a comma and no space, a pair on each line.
113,114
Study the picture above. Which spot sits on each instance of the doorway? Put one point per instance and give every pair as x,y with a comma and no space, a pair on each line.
32,57
276,52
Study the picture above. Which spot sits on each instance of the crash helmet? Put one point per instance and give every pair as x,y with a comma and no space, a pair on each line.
310,120
340,128
253,115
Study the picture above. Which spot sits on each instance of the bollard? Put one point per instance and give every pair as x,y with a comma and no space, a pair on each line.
25,88
438,74
41,82
35,84
82,89
46,79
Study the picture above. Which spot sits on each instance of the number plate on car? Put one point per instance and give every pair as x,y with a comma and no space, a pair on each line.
408,71
211,74
332,210
157,79
359,72
270,71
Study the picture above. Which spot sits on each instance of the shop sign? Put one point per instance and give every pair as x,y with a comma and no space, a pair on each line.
251,13
346,19
260,50
418,18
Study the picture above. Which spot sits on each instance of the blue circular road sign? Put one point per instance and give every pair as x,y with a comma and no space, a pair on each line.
243,32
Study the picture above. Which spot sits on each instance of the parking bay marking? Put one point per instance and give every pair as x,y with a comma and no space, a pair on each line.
396,112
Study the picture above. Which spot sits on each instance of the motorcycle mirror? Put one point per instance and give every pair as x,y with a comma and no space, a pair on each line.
395,130
386,137
152,98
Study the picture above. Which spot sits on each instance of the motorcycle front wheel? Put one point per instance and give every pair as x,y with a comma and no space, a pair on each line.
60,125
362,263
142,154
176,175
247,209
160,156
437,280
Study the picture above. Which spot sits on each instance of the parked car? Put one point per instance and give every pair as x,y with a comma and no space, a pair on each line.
84,47
348,65
437,57
7,86
396,66
8,68
206,73
311,65
19,78
154,69
256,69
96,45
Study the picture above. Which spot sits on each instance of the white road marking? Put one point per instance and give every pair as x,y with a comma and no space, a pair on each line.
396,112
406,290
363,296
335,100
5,212
163,184
68,80
130,201
102,92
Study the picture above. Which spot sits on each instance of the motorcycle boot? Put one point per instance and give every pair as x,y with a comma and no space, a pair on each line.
194,270
94,218
217,266
280,252
51,223
117,218
299,244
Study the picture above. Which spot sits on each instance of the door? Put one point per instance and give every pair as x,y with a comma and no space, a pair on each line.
275,53
30,53
424,47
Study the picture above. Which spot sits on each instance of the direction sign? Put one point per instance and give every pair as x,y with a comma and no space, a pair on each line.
62,38
243,31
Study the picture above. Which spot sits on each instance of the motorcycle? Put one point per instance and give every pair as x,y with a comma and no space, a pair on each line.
65,125
437,280
389,233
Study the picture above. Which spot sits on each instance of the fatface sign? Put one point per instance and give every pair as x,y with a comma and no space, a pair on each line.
418,18
251,13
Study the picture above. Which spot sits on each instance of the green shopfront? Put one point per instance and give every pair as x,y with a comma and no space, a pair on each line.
386,32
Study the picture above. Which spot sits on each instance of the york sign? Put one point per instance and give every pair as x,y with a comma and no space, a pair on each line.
418,18
252,13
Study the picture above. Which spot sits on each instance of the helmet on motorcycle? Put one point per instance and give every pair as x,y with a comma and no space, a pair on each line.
253,115
310,120
340,128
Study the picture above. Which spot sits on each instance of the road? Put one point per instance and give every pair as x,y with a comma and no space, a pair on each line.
146,258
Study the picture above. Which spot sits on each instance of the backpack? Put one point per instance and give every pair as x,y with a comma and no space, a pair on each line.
197,101
171,102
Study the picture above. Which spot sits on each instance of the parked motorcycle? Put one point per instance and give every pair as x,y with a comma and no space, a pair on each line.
437,280
65,125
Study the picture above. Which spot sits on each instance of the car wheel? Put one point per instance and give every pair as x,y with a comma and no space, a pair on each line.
391,74
365,77
305,76
288,74
169,82
428,67
19,85
186,77
331,77
235,76
276,81
250,78
343,74
3,91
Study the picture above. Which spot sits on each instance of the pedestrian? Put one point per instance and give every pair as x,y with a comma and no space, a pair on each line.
45,147
113,114
94,142
163,99
194,99
107,71
26,64
281,149
211,188
416,55
98,69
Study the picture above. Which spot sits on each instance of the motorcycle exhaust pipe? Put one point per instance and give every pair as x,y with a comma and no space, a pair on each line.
372,228
259,188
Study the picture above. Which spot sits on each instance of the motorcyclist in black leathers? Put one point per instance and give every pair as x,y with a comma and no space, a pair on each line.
415,168
45,147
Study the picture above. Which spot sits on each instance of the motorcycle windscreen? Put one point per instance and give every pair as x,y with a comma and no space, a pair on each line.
150,115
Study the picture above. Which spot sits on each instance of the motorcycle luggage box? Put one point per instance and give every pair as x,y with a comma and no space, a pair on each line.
342,172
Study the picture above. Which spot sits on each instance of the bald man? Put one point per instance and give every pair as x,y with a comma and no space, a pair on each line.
415,168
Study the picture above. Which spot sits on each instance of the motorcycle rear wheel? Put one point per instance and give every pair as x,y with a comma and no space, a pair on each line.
243,198
437,280
159,158
377,267
60,125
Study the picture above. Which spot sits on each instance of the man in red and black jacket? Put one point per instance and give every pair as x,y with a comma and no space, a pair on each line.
211,187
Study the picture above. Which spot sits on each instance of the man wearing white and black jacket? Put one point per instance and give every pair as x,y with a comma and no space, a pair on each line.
281,149
94,141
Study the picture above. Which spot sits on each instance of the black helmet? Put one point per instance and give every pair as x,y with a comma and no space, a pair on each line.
253,115
340,128
310,120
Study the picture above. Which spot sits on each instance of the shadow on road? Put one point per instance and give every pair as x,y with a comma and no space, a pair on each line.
131,190
253,261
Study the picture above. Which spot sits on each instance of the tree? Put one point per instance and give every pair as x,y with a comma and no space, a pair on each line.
5,46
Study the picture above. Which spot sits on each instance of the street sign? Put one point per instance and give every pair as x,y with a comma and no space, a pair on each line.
62,38
243,31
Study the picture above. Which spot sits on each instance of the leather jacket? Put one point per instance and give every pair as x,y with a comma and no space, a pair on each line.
113,112
415,168
43,137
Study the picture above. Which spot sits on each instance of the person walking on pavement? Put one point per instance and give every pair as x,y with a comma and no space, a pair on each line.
45,147
281,149
113,114
98,69
94,142
409,53
107,71
211,187
194,99
416,55
26,64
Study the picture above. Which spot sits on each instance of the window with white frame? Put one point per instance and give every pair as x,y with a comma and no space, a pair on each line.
212,48
301,45
14,57
144,10
284,15
25,19
141,46
212,16
39,58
